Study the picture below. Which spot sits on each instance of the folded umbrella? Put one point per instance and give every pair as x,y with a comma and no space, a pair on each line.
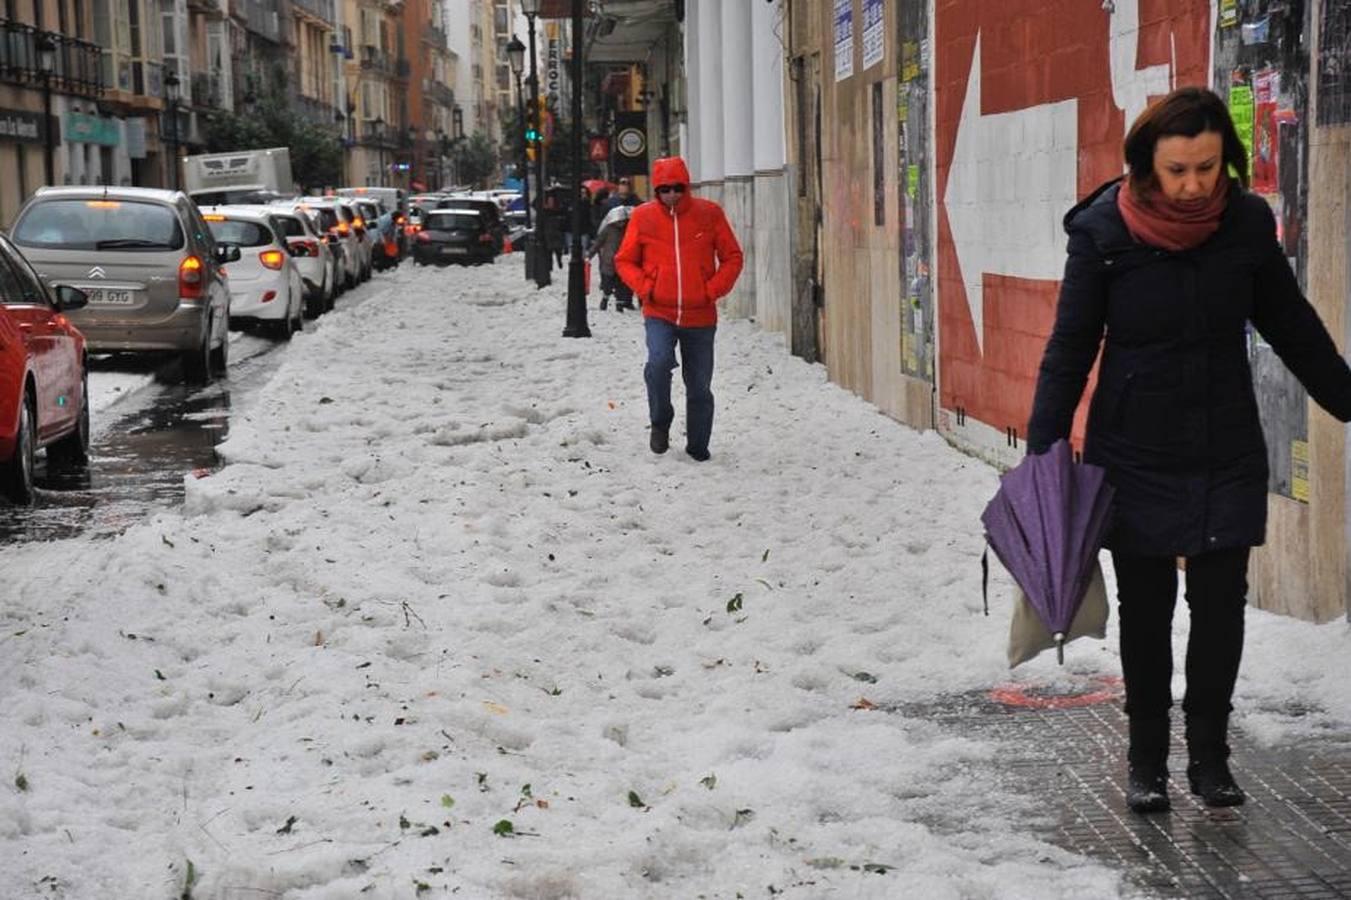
1046,523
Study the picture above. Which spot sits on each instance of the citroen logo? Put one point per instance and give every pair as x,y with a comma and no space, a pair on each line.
97,272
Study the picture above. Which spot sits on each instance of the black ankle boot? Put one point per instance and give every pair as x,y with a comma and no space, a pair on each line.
1208,770
1147,781
659,439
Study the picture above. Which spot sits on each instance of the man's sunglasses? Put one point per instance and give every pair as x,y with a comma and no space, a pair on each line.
671,188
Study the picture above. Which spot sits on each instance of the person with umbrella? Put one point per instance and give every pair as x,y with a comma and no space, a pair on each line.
1166,269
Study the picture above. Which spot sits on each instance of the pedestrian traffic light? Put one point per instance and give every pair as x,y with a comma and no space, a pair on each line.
531,133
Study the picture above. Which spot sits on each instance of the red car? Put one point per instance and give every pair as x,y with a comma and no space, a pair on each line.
44,396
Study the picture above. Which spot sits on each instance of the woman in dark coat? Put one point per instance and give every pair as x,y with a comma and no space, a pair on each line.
1166,270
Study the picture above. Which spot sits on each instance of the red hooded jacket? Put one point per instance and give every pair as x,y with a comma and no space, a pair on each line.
679,260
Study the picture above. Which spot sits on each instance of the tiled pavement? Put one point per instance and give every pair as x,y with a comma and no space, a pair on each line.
1292,839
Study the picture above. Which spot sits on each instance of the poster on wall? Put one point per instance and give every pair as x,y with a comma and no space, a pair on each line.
844,39
1266,145
874,45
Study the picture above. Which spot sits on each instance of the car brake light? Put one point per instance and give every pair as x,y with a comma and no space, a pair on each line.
399,219
103,204
272,259
190,282
213,217
269,296
342,228
358,222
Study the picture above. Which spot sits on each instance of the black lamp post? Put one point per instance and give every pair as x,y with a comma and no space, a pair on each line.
576,324
379,125
171,84
516,56
456,138
543,262
46,49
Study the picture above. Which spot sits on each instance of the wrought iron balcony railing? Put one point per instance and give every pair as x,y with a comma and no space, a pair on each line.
76,65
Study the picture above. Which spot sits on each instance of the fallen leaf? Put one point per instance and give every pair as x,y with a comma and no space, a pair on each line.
863,703
495,708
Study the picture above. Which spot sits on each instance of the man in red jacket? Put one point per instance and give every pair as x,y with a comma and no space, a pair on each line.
680,257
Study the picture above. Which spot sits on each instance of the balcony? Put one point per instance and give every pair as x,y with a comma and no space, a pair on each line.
315,111
374,59
383,135
76,68
437,93
262,17
208,90
323,9
435,36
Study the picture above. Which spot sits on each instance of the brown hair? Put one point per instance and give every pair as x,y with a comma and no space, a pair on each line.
1186,112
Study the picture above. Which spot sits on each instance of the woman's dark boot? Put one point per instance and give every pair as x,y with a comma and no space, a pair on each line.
1147,782
1208,769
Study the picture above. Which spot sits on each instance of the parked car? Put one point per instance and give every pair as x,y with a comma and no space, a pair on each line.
341,242
147,262
489,213
265,285
391,200
44,389
311,256
454,235
352,231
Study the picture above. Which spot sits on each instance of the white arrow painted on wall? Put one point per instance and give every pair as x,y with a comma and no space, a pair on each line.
1014,176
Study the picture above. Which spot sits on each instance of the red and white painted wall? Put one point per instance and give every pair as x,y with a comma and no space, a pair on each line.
1032,100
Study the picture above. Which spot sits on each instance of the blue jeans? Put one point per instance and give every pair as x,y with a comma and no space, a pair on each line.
696,366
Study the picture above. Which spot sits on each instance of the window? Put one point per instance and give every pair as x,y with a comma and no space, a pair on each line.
30,286
11,294
239,233
289,226
99,225
448,221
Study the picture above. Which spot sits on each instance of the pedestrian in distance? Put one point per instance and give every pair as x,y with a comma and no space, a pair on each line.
623,195
679,256
606,245
1166,269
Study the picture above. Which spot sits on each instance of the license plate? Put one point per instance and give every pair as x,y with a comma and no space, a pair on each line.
452,251
111,297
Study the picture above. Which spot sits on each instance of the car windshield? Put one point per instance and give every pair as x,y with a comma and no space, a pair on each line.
446,221
243,234
71,224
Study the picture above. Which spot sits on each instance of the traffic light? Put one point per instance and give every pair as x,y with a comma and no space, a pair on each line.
530,152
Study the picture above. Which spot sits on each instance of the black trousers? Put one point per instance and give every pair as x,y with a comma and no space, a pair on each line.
1217,594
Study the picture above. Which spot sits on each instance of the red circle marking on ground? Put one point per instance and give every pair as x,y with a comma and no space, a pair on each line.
1023,695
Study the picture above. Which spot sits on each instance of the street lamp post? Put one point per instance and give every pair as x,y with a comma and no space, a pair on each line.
576,324
543,262
171,84
379,124
46,49
516,55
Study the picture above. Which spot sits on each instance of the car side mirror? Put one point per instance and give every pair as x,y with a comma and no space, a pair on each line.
227,253
69,297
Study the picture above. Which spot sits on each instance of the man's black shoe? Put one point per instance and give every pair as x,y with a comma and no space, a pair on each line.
697,455
659,439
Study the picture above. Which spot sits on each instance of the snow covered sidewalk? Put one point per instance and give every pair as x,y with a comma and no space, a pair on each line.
443,624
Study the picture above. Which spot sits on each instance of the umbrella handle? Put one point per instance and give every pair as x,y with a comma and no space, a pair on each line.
1060,647
985,578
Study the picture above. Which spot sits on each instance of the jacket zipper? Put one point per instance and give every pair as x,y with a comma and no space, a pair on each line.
680,281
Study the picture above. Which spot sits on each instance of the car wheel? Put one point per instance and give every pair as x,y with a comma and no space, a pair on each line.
72,451
197,361
16,475
314,304
220,357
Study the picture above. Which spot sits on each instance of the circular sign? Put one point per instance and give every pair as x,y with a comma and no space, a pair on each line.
632,142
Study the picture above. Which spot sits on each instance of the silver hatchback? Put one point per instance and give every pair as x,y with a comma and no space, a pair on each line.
154,275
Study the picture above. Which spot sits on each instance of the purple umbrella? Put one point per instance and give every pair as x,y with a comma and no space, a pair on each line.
1046,524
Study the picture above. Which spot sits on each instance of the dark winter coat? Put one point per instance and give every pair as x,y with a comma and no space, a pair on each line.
1174,416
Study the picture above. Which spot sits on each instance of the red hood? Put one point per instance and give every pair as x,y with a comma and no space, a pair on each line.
672,170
